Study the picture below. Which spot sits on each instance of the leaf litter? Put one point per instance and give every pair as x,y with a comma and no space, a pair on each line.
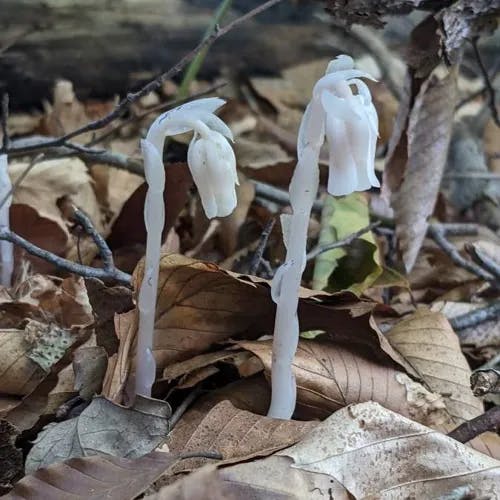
382,374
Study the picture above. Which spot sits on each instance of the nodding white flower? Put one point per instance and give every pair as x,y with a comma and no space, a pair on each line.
210,158
350,124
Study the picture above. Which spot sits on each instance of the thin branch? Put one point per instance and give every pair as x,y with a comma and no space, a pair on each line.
341,243
488,421
484,260
476,316
155,84
487,82
438,233
259,252
64,264
104,250
84,153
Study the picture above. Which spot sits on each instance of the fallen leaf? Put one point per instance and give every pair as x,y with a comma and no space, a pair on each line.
257,155
371,451
237,435
89,365
331,376
354,267
105,428
11,458
200,305
427,340
94,478
27,355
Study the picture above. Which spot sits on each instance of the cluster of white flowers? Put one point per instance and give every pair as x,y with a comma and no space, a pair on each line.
350,123
347,120
211,158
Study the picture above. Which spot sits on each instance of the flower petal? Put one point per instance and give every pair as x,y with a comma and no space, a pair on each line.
343,176
331,79
197,162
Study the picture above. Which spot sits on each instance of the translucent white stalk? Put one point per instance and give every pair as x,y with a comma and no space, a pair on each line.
6,248
154,217
213,166
350,124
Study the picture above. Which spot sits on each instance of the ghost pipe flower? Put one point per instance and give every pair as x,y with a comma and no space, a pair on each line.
6,248
212,164
349,122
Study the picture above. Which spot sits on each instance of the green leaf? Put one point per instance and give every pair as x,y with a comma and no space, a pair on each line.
355,267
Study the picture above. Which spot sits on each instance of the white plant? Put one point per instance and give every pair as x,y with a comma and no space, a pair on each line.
6,248
212,164
350,124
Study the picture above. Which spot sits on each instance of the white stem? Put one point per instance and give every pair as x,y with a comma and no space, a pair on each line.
154,217
303,189
6,248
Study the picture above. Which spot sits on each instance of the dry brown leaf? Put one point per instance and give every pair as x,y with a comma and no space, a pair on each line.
35,213
93,478
89,366
66,113
330,376
427,340
417,158
199,305
372,452
28,355
237,435
257,155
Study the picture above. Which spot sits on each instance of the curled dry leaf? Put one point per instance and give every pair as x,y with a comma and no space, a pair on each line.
237,435
94,478
200,305
371,451
89,366
428,342
330,376
103,428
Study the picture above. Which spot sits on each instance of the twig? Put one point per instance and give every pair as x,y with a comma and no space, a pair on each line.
487,82
64,264
259,252
476,316
488,421
3,123
484,260
215,455
438,233
155,84
104,250
85,153
341,243
181,409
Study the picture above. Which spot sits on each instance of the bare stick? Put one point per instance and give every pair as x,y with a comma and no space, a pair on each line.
132,97
437,232
341,243
259,252
487,82
488,421
181,409
104,250
476,316
64,264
